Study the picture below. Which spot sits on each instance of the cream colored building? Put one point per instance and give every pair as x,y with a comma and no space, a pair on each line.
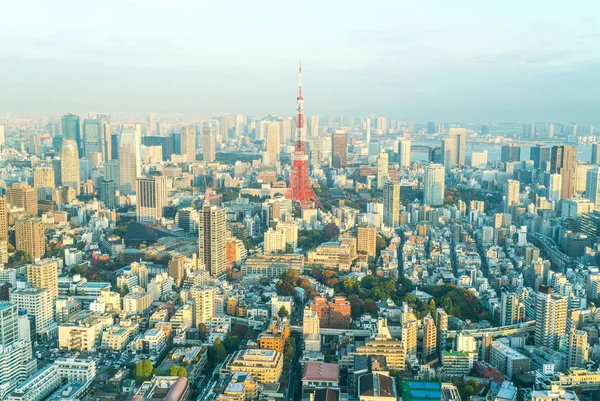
30,236
44,274
69,165
264,365
333,255
290,229
274,241
367,239
136,303
204,303
382,344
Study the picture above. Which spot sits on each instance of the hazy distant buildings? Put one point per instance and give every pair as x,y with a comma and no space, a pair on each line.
71,130
540,155
454,148
339,149
92,137
510,153
434,185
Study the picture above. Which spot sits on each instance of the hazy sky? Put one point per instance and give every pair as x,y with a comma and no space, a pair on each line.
422,60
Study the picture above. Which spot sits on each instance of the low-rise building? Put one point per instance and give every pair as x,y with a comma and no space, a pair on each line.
264,365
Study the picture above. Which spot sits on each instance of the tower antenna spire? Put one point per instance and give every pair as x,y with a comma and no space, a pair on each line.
300,188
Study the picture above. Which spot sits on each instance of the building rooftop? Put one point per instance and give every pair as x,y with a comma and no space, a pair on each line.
321,371
421,391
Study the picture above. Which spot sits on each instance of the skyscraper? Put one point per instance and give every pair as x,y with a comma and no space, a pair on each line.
595,153
563,161
339,149
30,236
454,148
129,161
592,187
151,195
441,322
434,185
273,142
391,204
382,169
93,137
540,155
368,131
431,127
69,165
107,193
512,190
209,148
71,130
510,153
188,143
404,153
212,231
550,317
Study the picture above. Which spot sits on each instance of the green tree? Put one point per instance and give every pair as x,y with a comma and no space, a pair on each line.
143,370
232,343
283,312
220,352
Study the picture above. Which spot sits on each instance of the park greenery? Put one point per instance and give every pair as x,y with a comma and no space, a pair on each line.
363,295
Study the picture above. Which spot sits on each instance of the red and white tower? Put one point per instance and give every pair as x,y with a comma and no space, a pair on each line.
300,188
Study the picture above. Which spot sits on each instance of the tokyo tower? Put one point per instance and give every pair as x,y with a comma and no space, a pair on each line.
300,188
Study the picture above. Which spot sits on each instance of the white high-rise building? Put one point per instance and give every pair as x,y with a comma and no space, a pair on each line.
212,231
555,187
38,302
129,161
274,241
550,317
391,204
204,303
151,196
273,142
404,153
434,185
382,169
368,131
69,165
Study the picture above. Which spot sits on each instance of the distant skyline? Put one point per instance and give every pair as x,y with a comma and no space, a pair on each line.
422,61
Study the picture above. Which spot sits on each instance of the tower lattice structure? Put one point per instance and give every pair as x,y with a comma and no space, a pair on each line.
300,188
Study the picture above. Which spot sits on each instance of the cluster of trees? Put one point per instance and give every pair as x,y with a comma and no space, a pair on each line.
289,353
309,239
178,371
291,279
469,388
363,295
21,256
143,371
